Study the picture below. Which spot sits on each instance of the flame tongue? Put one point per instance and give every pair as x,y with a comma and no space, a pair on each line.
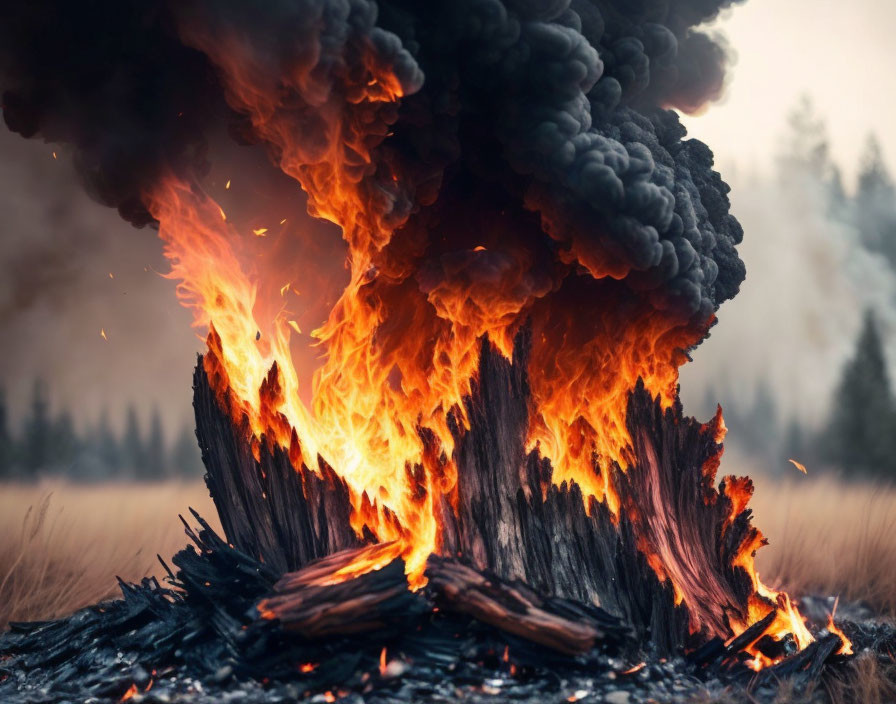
369,426
380,386
400,355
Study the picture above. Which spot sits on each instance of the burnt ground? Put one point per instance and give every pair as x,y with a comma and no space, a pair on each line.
199,640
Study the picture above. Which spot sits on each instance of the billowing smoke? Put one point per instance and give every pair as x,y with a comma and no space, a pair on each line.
491,165
550,111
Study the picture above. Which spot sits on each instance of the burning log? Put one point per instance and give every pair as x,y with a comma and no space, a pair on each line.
563,625
328,597
716,650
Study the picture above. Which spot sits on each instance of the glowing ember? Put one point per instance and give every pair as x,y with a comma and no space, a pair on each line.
801,467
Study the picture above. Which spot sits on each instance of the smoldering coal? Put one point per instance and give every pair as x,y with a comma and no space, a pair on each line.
555,109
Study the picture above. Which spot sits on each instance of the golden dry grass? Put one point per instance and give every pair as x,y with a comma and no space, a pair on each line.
60,553
62,545
828,537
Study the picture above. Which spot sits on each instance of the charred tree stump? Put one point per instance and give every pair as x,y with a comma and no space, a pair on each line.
508,517
512,519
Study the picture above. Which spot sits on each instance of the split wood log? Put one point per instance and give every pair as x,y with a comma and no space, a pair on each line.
563,625
326,598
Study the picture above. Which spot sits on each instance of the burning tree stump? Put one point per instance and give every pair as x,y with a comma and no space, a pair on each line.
673,526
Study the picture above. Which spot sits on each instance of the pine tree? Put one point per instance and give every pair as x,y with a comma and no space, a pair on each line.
794,445
64,443
875,203
38,432
132,450
861,435
186,460
108,448
806,156
764,420
155,449
807,143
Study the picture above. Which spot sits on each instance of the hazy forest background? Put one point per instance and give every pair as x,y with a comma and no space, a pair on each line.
802,360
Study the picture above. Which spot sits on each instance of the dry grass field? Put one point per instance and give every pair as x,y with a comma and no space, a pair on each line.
828,537
63,545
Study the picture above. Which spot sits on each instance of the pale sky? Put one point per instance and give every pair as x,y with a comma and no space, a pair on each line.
841,54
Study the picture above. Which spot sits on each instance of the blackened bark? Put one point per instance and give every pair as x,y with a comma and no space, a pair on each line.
268,509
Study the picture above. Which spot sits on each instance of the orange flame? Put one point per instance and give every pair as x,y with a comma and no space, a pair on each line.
400,353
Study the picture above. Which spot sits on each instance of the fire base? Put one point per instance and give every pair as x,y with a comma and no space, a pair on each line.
509,517
267,613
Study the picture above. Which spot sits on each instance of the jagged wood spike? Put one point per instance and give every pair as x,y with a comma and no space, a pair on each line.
268,509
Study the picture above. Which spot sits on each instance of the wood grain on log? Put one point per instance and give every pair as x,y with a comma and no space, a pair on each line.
318,601
515,608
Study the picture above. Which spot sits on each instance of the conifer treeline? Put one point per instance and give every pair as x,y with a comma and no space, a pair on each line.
47,443
858,436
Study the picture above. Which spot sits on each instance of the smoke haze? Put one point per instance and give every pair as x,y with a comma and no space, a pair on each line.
796,319
56,296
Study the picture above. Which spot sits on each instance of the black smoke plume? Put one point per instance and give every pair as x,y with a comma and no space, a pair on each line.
538,128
